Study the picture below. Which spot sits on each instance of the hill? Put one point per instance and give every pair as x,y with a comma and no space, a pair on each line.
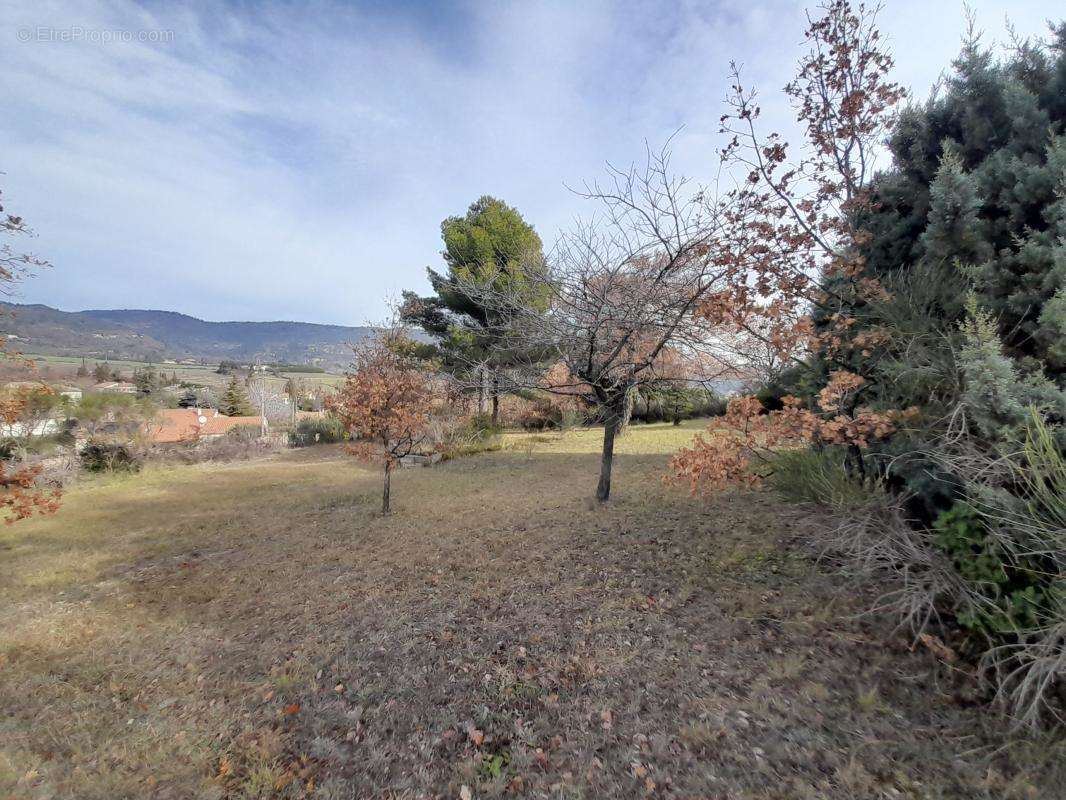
154,335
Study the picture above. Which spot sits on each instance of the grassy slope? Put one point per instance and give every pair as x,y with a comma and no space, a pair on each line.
255,630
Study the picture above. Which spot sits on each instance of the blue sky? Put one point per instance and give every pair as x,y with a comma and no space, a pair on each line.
290,161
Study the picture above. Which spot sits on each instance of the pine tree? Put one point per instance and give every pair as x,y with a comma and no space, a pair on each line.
978,175
234,402
1053,329
953,234
146,380
487,247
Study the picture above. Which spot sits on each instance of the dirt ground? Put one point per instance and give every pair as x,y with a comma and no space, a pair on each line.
257,630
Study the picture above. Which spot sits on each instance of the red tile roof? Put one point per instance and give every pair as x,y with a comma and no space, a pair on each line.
189,424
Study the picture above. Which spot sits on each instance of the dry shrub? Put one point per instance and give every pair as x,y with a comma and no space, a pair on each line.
459,434
98,456
237,444
1001,583
326,430
542,415
867,533
57,470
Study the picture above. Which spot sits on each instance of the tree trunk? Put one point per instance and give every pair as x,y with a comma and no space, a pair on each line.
855,465
627,410
481,390
610,428
385,491
495,398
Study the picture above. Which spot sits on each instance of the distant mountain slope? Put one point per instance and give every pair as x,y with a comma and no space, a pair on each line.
155,335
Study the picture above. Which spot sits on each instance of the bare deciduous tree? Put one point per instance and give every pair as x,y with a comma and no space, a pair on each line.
270,402
622,289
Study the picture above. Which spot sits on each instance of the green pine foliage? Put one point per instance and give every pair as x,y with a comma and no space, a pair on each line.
490,244
979,179
998,399
146,379
234,401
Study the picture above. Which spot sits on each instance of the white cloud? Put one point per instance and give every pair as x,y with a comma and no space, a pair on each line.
271,162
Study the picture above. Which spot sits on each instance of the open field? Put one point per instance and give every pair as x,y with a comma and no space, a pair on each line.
200,374
256,630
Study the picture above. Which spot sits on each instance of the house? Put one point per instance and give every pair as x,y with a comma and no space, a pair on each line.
115,387
51,419
27,386
43,427
72,393
174,425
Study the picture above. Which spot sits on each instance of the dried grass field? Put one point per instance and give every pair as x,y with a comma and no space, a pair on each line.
255,630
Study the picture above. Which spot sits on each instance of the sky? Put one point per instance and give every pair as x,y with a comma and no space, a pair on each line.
275,160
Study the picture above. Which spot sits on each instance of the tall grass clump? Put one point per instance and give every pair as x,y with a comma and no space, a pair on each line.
471,435
322,430
1017,599
807,475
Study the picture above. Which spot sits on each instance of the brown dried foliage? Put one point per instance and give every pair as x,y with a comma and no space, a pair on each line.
735,445
20,497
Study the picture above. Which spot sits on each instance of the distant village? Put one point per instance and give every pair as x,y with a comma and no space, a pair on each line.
94,415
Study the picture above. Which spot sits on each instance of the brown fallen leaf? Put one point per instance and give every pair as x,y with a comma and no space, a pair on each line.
284,779
292,708
939,649
476,736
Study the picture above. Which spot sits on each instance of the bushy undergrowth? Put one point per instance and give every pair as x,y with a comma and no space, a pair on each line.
806,475
676,404
476,434
993,564
541,415
480,426
1007,591
241,442
322,430
109,457
955,310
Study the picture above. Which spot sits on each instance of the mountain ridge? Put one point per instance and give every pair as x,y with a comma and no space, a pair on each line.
157,334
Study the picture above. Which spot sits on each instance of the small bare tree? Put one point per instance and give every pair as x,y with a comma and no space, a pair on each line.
270,402
385,405
622,292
